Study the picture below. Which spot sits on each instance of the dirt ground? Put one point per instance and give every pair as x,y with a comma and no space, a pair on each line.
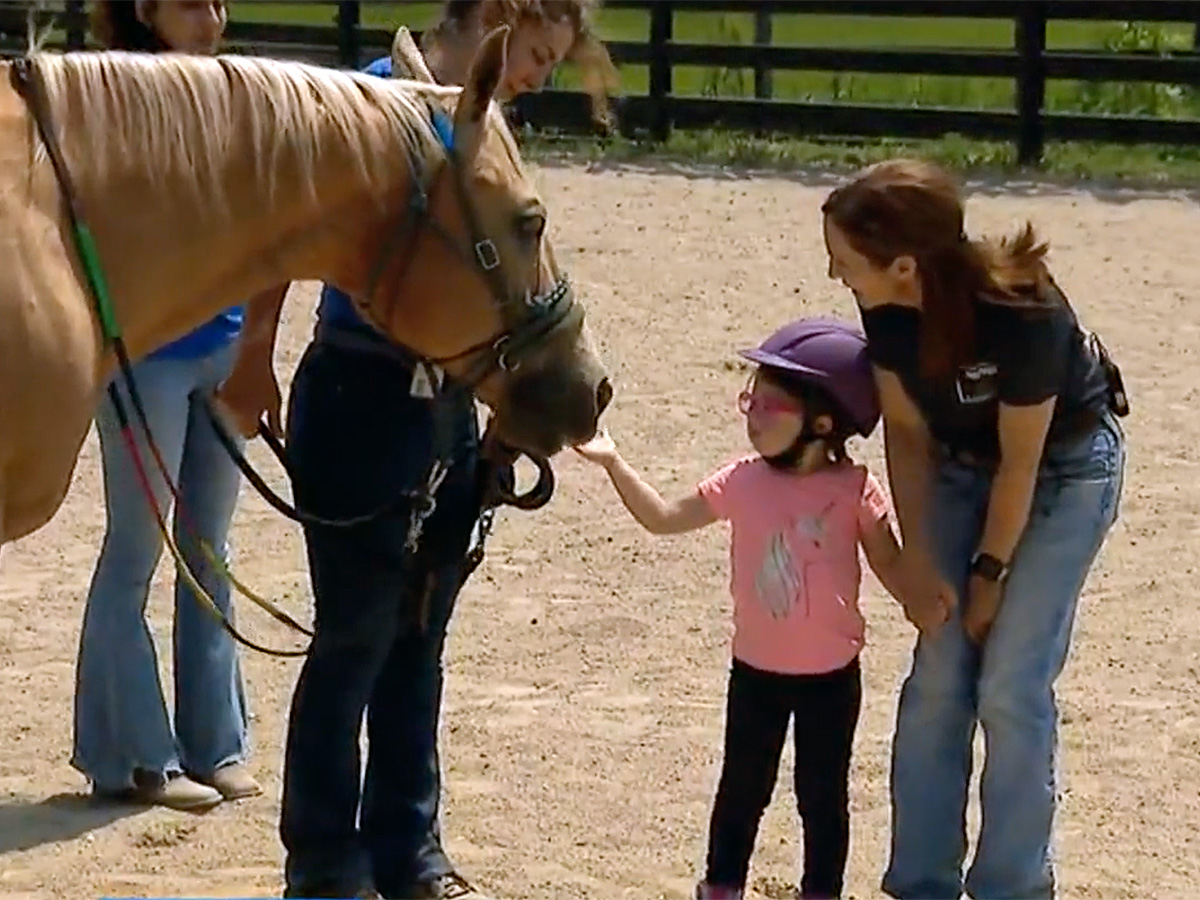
587,662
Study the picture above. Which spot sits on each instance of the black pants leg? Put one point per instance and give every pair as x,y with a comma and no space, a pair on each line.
757,713
826,710
357,439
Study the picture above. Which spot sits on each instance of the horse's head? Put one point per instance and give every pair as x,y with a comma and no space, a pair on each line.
474,286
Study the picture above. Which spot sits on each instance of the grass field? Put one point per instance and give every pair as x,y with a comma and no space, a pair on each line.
844,31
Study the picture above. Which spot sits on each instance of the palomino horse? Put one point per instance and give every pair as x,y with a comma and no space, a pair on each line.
207,180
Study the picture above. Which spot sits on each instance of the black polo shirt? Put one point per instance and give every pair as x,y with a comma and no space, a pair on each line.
1023,356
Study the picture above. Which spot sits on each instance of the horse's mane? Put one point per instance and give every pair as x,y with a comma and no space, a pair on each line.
113,106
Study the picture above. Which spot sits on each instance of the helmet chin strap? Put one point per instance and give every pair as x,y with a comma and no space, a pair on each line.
790,458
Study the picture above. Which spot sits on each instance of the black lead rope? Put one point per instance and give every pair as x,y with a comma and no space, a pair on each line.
281,505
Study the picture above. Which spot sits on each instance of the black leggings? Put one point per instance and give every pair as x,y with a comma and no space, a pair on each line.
760,705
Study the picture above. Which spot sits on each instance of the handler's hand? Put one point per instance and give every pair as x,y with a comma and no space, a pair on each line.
250,391
601,449
983,603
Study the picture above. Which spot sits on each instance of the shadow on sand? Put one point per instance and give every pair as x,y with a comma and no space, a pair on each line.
25,824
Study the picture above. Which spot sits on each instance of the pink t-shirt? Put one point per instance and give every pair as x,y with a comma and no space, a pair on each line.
794,555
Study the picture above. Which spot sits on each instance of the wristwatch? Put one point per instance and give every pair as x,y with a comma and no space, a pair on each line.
988,567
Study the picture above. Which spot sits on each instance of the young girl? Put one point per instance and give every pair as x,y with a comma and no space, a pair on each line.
799,509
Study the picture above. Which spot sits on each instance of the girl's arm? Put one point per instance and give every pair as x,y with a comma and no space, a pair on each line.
656,515
883,556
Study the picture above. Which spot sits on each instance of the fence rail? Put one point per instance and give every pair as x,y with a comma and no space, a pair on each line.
345,41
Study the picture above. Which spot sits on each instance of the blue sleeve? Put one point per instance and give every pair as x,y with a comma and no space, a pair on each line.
381,67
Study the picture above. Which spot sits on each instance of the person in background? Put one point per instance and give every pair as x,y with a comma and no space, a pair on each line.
359,432
125,741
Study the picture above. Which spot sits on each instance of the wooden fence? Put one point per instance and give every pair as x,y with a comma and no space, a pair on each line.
345,42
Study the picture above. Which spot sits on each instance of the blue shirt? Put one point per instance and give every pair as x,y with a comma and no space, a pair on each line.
208,338
335,306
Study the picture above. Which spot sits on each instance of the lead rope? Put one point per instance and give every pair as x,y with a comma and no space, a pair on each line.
29,87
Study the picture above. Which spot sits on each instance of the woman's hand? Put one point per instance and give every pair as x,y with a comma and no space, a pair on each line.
983,603
601,449
250,392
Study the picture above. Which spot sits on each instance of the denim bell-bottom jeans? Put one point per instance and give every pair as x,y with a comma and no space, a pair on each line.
121,719
1006,687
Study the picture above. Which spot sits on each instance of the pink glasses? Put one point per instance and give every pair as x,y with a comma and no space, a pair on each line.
748,402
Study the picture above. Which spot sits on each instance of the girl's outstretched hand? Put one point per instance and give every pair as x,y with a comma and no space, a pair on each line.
601,449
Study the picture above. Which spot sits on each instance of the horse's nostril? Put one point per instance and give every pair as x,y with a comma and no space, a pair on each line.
604,395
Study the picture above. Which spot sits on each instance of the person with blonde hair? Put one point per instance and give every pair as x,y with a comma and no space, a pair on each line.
359,431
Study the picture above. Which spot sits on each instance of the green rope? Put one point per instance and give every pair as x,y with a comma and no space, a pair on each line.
86,245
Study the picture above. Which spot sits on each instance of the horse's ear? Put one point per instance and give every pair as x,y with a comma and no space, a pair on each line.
407,59
478,90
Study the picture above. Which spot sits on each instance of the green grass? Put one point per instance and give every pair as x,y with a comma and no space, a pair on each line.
1142,163
1139,166
844,31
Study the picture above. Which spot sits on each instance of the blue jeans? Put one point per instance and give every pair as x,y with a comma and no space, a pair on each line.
1007,686
121,720
358,440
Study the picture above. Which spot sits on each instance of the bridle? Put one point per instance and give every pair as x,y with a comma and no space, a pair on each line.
529,318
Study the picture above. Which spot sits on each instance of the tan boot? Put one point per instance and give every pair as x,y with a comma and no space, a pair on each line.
234,782
184,794
174,792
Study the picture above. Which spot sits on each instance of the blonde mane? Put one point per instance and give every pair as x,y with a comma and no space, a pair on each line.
182,116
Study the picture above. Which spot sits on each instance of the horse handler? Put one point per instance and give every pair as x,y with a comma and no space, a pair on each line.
362,428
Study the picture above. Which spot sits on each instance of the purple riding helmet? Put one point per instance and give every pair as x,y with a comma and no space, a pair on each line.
829,353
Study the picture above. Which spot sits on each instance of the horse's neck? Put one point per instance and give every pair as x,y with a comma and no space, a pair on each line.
177,251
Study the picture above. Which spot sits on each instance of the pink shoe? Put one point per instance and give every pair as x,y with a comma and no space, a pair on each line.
706,891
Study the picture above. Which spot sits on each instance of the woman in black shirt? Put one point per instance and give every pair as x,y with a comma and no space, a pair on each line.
1007,464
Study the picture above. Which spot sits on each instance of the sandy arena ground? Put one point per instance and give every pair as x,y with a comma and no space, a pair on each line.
587,663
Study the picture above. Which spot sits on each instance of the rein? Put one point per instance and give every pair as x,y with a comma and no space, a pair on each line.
542,315
30,88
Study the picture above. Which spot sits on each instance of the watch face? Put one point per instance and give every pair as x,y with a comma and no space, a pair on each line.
988,567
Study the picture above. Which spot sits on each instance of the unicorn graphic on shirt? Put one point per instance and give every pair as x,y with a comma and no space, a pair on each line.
781,582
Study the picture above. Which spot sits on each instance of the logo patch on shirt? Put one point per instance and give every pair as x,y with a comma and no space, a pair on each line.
976,383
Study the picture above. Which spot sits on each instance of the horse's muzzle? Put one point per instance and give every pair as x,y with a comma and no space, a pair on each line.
547,409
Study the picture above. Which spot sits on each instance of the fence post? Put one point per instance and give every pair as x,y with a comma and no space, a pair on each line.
1030,40
348,33
76,24
763,82
662,19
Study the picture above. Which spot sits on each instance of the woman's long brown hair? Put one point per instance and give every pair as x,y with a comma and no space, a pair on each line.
911,207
